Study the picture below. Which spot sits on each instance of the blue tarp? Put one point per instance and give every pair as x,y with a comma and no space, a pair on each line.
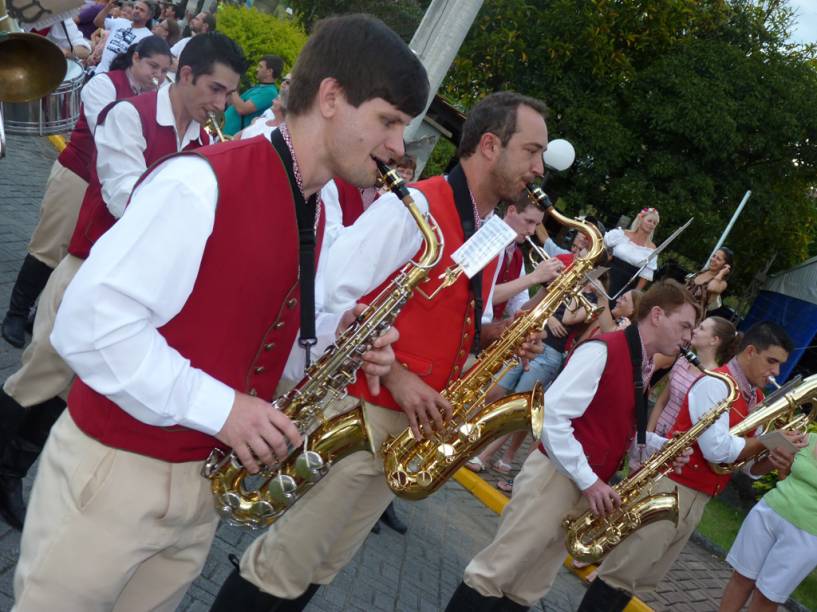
797,316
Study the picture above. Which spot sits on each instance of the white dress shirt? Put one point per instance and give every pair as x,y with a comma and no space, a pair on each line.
96,94
137,278
120,147
177,49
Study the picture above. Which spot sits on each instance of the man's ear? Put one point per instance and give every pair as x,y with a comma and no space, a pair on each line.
489,146
330,95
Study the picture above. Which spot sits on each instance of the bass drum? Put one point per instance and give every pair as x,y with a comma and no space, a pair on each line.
56,113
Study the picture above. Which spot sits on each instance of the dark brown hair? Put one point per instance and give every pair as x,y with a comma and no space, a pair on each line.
495,114
367,58
726,332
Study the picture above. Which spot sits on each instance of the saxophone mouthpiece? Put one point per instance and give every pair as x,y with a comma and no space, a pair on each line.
690,357
155,82
772,381
539,197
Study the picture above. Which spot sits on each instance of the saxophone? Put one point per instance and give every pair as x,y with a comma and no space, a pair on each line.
416,468
258,500
792,408
590,537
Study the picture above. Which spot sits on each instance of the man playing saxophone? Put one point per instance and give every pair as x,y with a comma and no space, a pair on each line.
501,150
180,321
641,561
590,417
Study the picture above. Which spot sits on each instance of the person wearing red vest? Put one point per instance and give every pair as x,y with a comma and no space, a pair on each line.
179,323
642,560
588,426
69,178
130,135
501,150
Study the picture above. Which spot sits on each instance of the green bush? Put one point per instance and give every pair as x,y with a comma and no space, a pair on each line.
261,34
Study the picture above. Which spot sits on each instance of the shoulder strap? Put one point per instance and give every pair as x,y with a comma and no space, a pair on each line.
634,344
465,208
305,213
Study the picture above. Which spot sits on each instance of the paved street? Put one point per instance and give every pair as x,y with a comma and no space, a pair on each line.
416,572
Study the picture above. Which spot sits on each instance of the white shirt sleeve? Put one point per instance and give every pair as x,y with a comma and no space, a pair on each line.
96,95
363,255
137,278
716,445
614,237
120,159
650,269
566,399
176,50
516,302
117,23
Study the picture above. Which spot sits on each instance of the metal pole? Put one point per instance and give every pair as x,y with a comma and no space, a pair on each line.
729,227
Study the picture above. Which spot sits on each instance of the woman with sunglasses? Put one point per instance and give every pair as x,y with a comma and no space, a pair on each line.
629,249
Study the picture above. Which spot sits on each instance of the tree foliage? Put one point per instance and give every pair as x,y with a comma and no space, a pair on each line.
260,34
403,16
678,104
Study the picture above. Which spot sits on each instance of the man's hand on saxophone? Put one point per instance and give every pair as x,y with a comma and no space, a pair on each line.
425,408
378,360
602,498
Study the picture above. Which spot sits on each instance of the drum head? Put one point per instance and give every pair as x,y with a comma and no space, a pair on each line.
74,71
31,66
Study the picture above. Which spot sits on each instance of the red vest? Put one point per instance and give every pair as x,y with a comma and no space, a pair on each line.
697,474
606,428
435,335
241,319
511,270
78,154
94,218
351,203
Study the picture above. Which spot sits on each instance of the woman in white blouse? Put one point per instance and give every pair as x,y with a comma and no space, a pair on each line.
629,249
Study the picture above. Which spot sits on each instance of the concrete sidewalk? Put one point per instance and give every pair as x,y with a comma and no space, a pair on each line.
418,571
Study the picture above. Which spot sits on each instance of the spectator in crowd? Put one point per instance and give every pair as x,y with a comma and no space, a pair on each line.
629,249
619,317
85,19
776,547
200,24
169,30
122,32
708,285
250,104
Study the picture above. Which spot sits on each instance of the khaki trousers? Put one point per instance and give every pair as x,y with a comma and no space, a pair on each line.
42,373
111,530
58,215
641,561
315,539
522,561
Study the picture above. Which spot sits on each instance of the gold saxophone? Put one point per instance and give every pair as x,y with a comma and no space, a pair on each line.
590,537
782,411
415,469
257,501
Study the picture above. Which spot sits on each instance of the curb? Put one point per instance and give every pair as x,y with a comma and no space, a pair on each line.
58,142
496,501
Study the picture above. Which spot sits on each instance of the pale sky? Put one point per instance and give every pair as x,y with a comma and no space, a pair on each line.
805,29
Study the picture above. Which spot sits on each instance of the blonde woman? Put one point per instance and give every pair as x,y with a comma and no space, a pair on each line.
629,249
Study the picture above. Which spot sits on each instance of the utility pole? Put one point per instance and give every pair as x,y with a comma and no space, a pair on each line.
436,42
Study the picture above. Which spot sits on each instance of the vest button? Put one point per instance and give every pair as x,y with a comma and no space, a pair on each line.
291,303
253,392
260,370
278,324
468,320
466,336
461,353
269,346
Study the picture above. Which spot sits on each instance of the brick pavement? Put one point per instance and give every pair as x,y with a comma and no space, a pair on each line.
416,572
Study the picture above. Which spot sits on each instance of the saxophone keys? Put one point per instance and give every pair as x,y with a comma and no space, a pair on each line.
310,466
446,451
282,489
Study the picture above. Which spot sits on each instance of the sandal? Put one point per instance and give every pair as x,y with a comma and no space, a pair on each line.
506,485
475,464
502,467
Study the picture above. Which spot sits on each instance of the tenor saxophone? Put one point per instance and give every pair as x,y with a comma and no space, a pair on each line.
782,411
257,501
590,537
416,468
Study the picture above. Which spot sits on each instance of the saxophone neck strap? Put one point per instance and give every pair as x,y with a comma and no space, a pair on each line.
305,211
634,344
465,209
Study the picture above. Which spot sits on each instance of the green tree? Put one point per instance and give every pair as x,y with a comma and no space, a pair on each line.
678,104
403,16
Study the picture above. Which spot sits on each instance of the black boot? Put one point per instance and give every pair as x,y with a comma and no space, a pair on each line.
11,417
601,597
239,594
508,605
466,599
296,605
27,288
19,453
391,520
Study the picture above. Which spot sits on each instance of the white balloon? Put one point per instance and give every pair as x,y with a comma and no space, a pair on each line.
559,155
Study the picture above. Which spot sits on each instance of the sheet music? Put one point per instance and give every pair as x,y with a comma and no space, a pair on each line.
486,243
